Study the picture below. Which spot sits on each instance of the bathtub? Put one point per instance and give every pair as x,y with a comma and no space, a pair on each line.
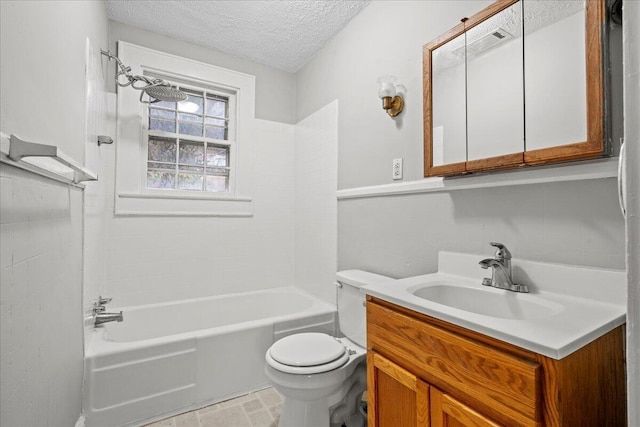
168,358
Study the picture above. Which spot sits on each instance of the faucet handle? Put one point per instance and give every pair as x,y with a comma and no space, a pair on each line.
103,301
502,253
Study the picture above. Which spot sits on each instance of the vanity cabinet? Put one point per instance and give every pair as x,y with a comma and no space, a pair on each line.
423,371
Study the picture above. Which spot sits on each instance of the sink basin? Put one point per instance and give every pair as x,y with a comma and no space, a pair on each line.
489,301
568,307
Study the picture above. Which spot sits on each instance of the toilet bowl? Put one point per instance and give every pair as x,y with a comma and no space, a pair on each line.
321,377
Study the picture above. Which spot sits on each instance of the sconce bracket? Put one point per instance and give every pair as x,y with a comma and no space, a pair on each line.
394,107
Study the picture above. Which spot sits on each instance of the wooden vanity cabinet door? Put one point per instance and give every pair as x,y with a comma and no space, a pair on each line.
396,397
448,412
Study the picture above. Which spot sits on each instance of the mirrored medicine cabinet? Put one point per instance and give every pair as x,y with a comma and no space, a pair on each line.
521,82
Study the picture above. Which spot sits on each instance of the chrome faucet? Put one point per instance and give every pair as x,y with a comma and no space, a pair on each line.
501,270
101,318
100,315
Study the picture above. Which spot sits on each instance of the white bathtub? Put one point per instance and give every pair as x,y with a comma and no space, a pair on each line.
172,357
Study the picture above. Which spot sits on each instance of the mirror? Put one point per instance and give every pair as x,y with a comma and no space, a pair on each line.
495,120
449,98
518,83
555,78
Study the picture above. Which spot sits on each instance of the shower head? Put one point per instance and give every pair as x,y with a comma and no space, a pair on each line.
157,89
165,93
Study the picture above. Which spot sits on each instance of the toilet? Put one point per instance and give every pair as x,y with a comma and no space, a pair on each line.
321,377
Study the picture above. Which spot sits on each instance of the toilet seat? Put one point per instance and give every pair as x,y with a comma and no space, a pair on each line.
307,353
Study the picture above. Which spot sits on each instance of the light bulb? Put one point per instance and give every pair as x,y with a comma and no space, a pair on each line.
188,107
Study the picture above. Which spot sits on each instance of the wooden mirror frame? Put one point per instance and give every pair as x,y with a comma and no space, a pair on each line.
594,146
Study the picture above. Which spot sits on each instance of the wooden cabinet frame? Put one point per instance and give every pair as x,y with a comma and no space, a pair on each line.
594,146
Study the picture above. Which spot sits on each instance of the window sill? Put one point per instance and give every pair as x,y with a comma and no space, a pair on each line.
183,196
192,205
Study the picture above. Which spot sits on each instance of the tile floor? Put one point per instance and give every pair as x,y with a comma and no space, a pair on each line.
259,409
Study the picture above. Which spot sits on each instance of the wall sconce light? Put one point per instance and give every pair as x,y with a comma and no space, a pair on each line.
392,95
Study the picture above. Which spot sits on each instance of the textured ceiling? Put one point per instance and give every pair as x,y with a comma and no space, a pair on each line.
281,34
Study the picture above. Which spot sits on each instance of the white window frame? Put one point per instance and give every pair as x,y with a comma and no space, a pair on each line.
132,196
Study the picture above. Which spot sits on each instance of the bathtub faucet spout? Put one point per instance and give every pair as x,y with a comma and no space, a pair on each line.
107,317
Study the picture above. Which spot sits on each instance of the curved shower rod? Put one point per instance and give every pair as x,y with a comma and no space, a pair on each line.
157,89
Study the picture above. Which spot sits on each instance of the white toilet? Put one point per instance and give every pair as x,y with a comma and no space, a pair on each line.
322,377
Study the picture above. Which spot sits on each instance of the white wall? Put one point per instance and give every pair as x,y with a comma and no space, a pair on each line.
570,222
632,138
290,241
42,81
275,89
41,320
316,220
155,259
292,238
100,121
43,69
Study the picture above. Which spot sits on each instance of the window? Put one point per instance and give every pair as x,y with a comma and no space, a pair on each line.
190,158
188,144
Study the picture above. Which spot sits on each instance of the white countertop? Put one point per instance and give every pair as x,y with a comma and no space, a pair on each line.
578,304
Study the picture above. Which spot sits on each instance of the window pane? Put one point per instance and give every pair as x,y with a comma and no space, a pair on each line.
216,171
157,179
216,107
165,104
193,104
165,114
184,168
189,118
191,153
162,150
218,122
179,164
161,166
190,181
190,129
216,132
162,125
217,156
217,183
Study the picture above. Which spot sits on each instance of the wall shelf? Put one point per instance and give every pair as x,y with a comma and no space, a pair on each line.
42,159
576,171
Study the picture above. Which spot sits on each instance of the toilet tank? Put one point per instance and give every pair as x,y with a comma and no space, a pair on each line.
352,315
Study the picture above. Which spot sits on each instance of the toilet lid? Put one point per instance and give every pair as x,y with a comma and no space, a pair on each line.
306,349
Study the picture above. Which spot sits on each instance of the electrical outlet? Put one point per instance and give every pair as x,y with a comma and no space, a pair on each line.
397,169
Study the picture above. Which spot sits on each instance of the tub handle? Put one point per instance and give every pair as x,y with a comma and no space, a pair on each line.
102,301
